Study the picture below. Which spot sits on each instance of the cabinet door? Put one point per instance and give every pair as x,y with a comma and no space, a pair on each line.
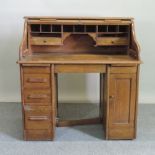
122,99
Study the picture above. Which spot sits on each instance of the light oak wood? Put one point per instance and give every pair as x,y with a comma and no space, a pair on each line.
123,70
80,69
37,96
53,45
122,93
111,41
38,118
46,41
78,59
36,80
36,69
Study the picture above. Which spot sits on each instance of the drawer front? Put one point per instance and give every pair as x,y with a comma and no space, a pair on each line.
35,69
38,117
37,97
112,41
37,122
46,41
38,135
37,109
123,70
36,80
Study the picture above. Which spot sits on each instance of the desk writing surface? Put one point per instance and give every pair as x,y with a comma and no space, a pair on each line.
61,58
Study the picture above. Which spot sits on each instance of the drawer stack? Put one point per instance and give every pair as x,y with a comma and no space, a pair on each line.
37,103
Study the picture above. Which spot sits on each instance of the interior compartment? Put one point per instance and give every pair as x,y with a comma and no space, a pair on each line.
45,28
35,28
102,28
90,28
79,28
84,41
123,28
56,28
68,28
112,28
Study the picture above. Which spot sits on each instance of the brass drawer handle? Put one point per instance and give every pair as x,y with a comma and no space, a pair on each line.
37,96
38,118
37,80
44,41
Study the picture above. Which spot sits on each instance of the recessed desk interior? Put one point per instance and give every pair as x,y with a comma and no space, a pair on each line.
53,45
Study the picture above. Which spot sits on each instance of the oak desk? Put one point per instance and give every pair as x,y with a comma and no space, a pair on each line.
53,45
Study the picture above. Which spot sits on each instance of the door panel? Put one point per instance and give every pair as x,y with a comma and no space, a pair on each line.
121,105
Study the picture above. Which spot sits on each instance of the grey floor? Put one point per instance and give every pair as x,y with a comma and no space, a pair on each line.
79,140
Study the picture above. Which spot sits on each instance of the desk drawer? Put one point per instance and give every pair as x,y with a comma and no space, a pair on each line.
36,80
112,41
37,97
38,117
36,69
123,70
46,41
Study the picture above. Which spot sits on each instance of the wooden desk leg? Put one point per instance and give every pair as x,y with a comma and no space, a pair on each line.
54,99
104,86
56,90
101,96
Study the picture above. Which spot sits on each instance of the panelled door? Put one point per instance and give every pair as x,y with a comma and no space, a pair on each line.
122,99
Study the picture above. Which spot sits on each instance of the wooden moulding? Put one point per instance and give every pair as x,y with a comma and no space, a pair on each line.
62,123
23,48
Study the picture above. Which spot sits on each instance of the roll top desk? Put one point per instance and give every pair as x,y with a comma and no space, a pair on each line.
52,45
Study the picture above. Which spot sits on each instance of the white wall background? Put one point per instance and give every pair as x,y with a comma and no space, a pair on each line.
11,27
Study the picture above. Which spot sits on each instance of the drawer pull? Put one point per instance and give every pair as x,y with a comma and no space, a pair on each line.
38,96
37,80
38,118
111,97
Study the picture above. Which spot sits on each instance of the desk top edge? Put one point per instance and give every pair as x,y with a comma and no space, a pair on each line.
78,17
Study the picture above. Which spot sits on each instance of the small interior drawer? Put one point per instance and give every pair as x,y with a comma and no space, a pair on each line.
46,41
112,41
37,96
36,80
36,69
